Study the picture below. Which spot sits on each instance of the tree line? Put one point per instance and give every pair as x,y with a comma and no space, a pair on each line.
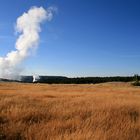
80,80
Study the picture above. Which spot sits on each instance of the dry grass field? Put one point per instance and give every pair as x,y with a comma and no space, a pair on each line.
109,111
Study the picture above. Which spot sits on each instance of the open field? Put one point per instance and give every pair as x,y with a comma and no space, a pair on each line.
109,111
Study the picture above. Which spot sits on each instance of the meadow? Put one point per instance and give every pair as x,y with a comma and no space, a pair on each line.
107,111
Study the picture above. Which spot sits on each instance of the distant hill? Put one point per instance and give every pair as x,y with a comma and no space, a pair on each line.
77,80
44,79
7,80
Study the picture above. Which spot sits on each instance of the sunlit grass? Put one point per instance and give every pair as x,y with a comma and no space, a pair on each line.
108,111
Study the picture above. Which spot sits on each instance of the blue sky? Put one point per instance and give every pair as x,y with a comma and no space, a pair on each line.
85,37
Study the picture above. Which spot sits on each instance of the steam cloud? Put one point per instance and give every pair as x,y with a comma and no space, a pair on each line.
28,25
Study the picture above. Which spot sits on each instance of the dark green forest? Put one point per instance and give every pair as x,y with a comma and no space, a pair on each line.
80,80
77,80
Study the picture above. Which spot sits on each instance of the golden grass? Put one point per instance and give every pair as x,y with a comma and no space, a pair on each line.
109,111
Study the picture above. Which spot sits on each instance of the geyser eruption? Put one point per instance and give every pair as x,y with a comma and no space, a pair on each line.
28,25
36,78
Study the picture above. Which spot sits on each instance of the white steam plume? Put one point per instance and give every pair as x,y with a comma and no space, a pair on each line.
29,26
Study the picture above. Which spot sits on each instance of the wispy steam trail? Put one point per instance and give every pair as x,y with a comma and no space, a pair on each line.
28,25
